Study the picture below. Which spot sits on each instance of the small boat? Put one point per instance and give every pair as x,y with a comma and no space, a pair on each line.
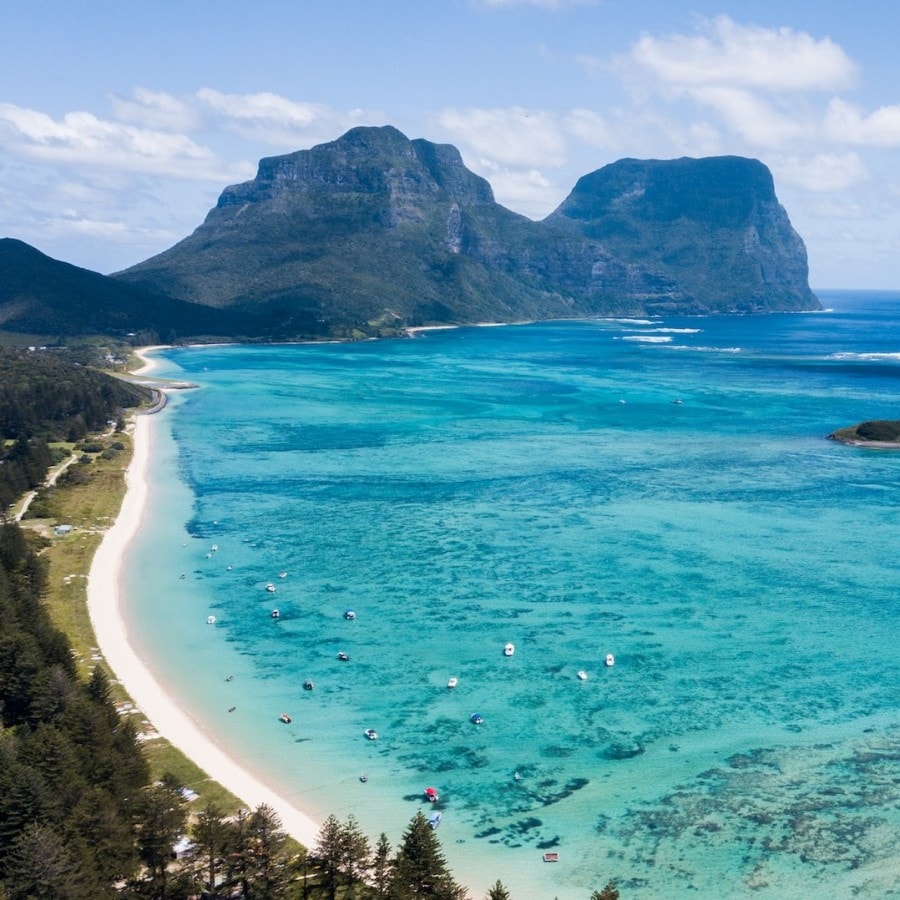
210,620
343,657
509,649
610,659
214,548
453,682
308,685
435,818
363,778
284,717
229,567
582,675
282,574
271,588
476,719
371,734
276,614
551,856
349,615
431,795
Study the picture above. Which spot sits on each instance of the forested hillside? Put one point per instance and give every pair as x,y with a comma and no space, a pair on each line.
71,771
44,397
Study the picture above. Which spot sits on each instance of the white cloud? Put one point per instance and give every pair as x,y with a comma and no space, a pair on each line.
154,109
275,120
755,120
82,139
821,172
591,128
72,222
513,137
844,123
527,191
727,53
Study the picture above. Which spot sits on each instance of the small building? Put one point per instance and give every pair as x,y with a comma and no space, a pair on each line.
60,530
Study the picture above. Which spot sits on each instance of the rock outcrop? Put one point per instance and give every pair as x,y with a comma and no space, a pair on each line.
689,235
374,232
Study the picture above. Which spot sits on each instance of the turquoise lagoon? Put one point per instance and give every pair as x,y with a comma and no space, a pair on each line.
660,489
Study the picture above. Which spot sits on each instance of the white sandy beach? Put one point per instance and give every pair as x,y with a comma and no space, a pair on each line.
161,709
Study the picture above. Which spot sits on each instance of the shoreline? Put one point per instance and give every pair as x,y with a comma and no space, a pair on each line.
165,714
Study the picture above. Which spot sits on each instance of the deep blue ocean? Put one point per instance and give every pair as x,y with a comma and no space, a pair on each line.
658,489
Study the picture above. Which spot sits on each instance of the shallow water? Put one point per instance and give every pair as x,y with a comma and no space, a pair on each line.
658,489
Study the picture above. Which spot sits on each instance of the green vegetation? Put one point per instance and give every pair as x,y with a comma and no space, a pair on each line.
880,431
46,397
372,233
608,893
44,301
70,768
691,235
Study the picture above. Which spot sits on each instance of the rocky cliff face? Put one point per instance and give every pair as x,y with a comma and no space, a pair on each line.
374,232
691,235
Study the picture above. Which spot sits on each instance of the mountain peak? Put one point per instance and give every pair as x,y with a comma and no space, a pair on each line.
373,232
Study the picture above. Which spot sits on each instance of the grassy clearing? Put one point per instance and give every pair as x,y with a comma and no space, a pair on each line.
89,501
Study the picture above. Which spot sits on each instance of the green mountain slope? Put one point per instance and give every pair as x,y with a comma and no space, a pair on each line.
690,235
362,233
374,232
42,296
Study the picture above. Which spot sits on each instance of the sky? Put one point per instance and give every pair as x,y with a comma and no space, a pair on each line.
122,122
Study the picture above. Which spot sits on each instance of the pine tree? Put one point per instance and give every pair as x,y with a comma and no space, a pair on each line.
609,892
40,867
267,870
357,854
328,855
420,867
498,892
161,820
382,866
211,835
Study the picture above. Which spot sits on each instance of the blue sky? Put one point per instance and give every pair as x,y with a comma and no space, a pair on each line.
121,122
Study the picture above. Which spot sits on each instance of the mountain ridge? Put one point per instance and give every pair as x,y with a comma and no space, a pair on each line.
373,233
43,296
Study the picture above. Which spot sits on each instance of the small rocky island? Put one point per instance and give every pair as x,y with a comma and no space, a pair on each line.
883,433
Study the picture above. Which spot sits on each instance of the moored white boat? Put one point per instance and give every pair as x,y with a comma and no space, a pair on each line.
371,734
582,675
509,649
453,682
610,659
